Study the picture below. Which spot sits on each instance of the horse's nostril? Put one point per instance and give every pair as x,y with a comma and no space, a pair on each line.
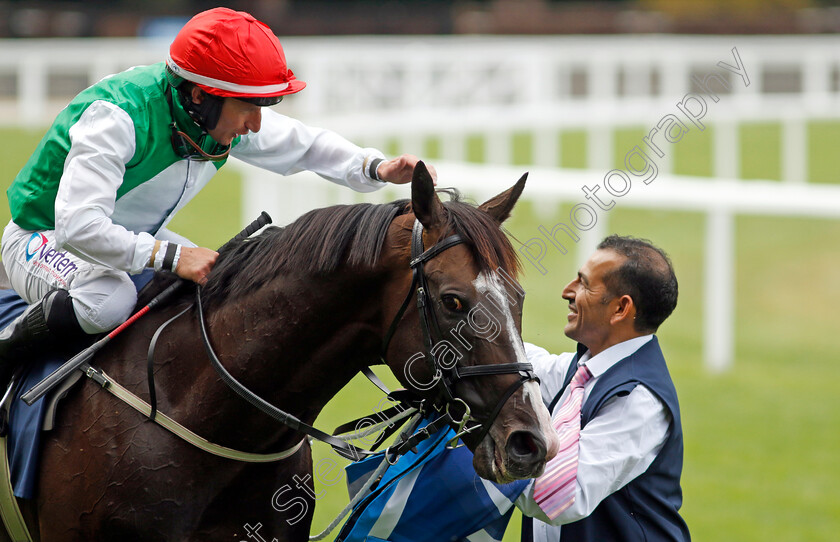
525,447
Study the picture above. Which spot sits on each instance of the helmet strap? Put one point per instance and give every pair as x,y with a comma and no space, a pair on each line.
206,114
185,147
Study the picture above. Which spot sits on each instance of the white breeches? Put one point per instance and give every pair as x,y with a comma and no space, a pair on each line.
103,298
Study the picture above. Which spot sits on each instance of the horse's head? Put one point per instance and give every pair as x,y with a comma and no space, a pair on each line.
460,346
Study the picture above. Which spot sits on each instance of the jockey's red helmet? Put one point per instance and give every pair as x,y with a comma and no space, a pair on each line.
229,53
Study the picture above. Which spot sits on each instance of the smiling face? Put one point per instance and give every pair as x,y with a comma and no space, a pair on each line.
591,305
237,118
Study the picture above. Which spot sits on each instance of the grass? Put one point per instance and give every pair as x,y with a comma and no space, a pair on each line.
761,439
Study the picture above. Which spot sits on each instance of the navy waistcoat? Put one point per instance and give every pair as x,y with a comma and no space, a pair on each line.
646,509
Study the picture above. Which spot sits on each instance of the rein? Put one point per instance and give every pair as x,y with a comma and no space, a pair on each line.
342,448
447,377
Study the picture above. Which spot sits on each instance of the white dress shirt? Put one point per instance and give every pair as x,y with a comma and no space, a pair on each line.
616,446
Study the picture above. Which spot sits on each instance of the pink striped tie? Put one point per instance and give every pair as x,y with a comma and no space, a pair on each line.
554,491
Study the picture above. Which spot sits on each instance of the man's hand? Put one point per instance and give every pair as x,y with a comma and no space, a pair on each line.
400,169
195,264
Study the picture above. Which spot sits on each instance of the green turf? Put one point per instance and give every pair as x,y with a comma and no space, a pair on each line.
762,439
761,151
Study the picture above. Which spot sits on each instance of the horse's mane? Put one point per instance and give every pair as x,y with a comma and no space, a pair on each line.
322,240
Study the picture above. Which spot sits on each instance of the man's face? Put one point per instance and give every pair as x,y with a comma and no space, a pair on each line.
588,321
237,118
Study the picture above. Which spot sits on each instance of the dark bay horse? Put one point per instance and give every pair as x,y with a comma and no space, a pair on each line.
294,314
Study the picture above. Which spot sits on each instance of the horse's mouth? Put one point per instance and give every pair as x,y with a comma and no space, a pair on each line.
491,464
502,474
487,460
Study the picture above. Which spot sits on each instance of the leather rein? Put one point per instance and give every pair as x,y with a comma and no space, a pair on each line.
447,377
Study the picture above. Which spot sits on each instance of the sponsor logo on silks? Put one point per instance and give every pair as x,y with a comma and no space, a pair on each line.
58,262
38,241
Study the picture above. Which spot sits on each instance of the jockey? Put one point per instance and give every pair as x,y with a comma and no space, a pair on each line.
91,205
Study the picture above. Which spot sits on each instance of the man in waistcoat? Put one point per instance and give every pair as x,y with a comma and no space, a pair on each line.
626,485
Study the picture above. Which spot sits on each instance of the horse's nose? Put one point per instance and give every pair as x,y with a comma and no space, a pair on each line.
526,450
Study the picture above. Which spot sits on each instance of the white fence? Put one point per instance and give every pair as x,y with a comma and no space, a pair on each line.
720,200
366,74
380,90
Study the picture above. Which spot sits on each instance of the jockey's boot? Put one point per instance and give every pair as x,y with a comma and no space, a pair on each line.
45,326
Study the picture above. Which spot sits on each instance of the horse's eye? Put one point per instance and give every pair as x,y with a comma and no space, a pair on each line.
452,303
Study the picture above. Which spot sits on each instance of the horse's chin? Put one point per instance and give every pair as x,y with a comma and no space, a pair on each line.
488,462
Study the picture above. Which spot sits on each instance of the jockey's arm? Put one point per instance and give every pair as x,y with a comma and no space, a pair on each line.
102,142
286,146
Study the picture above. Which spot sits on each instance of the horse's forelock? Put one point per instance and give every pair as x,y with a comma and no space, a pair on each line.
490,245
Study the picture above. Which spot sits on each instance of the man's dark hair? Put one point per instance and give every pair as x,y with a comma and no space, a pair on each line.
647,276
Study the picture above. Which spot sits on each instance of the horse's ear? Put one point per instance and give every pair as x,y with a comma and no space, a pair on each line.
499,207
425,203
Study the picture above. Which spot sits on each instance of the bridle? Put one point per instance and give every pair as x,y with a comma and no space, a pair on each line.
448,377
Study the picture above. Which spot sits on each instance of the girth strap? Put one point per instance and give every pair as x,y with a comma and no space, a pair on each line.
9,509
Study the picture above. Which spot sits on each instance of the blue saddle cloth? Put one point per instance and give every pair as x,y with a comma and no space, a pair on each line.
24,440
25,421
429,495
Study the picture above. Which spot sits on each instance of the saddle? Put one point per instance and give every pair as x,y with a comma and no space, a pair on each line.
24,424
50,402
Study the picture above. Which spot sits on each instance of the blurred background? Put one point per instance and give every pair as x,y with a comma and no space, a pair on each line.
744,193
125,18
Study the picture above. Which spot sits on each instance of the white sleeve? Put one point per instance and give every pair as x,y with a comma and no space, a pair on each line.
101,143
285,146
616,446
550,368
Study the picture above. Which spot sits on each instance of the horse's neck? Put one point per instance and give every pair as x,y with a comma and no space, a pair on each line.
295,344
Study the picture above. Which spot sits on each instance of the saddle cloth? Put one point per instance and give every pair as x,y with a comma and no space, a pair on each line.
25,422
429,495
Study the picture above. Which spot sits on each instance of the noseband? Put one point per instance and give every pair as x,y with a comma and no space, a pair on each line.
448,377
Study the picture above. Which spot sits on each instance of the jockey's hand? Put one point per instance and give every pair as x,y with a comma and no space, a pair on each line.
195,264
400,169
